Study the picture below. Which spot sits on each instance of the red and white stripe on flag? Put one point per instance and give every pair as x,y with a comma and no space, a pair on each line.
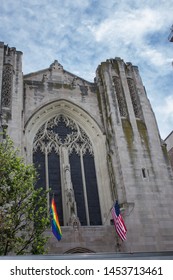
118,222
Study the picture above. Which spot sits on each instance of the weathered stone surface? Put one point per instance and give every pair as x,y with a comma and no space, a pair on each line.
169,144
84,239
131,161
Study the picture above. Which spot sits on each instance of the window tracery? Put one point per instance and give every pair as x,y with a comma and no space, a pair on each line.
59,131
61,144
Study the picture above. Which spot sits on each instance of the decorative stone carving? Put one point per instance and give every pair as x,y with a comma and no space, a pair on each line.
84,90
45,78
7,80
134,97
48,137
70,197
56,66
74,221
74,82
120,97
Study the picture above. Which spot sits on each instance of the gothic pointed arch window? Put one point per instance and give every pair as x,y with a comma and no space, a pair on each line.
64,157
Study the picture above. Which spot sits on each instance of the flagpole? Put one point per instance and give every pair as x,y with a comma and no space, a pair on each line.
110,211
117,238
118,244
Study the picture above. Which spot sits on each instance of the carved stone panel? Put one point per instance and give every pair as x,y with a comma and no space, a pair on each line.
7,79
134,97
120,97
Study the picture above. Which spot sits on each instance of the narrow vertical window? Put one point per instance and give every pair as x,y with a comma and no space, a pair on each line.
144,173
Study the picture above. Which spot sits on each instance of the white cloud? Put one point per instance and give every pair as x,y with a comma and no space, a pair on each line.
156,57
166,108
128,30
164,112
81,34
128,26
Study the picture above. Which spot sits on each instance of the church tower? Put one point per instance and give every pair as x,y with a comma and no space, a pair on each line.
11,92
92,144
137,159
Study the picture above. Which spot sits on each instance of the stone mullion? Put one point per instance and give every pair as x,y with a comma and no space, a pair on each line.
84,188
70,143
47,177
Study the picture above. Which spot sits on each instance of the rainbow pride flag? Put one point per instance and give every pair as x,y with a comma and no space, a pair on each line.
56,229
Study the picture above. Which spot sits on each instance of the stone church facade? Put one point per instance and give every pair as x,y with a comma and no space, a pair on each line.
92,143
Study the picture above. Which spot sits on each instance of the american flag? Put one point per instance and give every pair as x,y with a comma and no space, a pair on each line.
118,221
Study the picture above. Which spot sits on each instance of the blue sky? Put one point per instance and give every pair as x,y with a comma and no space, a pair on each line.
81,34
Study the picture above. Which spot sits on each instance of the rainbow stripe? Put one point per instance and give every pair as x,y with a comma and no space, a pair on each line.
56,229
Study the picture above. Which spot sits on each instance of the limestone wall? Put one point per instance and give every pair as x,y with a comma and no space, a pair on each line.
83,240
138,161
132,163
